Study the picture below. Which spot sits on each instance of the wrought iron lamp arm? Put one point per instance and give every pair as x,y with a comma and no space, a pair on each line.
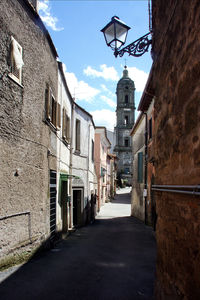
137,48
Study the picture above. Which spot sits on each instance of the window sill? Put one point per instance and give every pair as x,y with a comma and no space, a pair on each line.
53,128
66,142
77,152
15,80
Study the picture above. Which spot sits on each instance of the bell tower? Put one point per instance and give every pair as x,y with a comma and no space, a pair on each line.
125,113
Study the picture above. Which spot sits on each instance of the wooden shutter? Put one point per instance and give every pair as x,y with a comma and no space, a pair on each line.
140,167
48,103
78,135
16,73
58,125
54,109
63,123
68,128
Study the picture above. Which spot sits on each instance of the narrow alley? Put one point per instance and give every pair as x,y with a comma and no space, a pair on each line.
114,258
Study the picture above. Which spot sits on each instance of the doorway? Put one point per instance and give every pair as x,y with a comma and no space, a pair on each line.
77,217
64,206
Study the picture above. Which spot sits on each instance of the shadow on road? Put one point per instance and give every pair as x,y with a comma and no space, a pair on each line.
112,259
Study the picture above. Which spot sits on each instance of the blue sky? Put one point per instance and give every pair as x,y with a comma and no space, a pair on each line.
91,69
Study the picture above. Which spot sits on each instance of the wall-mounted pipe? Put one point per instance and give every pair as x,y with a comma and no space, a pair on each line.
180,189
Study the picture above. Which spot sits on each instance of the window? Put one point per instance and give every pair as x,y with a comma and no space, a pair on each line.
140,167
126,98
150,128
77,140
126,142
92,150
126,120
16,61
66,126
52,109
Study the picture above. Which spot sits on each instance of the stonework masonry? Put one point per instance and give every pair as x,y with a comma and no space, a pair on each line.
24,137
176,27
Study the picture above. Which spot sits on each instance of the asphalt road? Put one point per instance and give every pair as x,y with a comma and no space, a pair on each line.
114,259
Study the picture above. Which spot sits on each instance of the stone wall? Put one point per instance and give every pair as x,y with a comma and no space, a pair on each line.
24,137
176,27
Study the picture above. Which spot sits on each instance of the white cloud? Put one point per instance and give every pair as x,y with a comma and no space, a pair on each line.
108,73
108,101
46,15
139,77
105,89
79,89
104,117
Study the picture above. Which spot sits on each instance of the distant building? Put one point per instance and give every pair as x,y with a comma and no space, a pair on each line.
112,138
125,120
101,150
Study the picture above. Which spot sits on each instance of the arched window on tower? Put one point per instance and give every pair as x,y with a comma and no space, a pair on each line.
126,98
126,122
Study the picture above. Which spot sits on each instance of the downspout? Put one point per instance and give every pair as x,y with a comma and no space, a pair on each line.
145,168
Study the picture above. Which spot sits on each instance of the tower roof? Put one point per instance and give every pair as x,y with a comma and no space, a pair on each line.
125,78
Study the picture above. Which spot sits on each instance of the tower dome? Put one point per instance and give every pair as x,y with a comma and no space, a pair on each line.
125,79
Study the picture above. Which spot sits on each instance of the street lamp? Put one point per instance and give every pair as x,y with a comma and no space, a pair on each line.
115,33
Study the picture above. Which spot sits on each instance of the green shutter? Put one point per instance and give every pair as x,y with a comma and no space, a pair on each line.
140,167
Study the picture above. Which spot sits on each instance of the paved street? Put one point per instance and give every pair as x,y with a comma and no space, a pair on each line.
114,258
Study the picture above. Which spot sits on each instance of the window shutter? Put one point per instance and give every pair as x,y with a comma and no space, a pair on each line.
58,125
48,104
16,61
63,123
54,109
78,135
140,167
68,128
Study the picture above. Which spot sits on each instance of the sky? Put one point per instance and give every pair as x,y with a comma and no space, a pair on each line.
91,69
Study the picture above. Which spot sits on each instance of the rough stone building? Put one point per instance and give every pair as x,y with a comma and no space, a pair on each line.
125,112
176,84
28,116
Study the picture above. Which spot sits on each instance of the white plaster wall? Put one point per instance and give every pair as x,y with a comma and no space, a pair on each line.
63,151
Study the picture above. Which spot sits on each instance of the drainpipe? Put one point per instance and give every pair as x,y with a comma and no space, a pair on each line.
145,168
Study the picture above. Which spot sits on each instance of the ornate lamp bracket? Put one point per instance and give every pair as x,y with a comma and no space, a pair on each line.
137,48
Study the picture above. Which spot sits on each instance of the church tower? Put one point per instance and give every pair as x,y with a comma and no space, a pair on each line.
125,112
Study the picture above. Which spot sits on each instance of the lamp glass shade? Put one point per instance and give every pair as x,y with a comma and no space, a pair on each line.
115,33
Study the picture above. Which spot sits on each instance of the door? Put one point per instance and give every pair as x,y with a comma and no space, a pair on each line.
64,206
77,208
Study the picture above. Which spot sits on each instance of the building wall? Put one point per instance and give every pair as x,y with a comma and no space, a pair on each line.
82,162
63,157
137,197
102,146
25,138
151,205
176,26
